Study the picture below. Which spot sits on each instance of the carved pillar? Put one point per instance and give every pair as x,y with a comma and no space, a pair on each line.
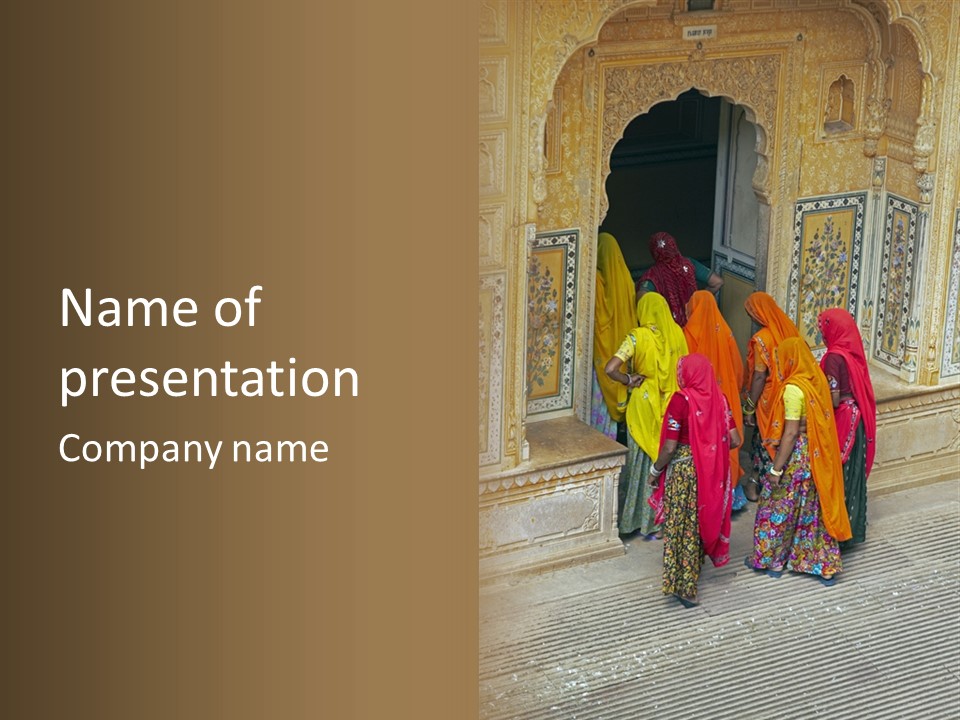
912,355
873,232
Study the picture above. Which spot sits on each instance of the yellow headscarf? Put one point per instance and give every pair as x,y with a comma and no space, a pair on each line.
659,343
613,319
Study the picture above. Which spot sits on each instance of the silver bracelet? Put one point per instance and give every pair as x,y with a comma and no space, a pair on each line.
655,472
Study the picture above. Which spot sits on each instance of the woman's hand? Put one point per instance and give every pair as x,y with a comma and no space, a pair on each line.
636,380
774,477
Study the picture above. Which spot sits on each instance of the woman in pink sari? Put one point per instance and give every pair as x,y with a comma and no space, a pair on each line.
697,435
848,376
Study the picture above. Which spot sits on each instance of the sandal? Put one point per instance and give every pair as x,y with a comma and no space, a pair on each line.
766,571
687,603
827,581
739,501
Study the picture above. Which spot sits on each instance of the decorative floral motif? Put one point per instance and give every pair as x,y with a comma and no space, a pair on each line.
551,322
896,277
897,263
824,282
825,269
951,338
543,323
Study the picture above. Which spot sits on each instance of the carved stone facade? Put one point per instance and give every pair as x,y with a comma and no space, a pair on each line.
560,80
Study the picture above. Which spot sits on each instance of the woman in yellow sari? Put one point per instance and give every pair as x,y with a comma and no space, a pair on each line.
615,315
646,364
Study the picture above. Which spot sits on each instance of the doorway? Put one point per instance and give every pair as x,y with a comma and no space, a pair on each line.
686,167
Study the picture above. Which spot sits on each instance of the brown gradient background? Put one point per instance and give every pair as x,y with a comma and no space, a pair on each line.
326,151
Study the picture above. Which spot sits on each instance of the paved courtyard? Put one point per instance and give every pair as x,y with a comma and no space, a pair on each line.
600,640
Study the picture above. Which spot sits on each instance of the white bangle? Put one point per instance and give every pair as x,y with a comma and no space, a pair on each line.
655,472
773,472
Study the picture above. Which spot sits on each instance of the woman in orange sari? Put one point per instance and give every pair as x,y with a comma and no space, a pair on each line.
707,333
760,380
801,515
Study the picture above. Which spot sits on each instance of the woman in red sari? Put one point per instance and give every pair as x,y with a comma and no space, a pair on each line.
672,275
694,498
855,410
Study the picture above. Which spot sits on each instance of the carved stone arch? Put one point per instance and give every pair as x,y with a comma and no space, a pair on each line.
562,30
629,91
892,11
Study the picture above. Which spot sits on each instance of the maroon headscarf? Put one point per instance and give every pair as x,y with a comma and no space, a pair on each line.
842,337
672,275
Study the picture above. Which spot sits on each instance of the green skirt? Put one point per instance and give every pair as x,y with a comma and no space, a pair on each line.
855,486
634,511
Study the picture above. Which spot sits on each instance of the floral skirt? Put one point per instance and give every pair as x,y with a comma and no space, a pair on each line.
855,486
682,549
634,511
788,532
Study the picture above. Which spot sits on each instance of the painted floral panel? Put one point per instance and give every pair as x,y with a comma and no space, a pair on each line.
544,282
551,301
825,267
896,278
893,307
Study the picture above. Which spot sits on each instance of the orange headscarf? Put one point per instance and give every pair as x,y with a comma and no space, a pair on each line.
707,333
777,327
797,366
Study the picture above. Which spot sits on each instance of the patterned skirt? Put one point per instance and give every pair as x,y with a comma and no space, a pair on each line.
788,532
634,511
682,549
855,486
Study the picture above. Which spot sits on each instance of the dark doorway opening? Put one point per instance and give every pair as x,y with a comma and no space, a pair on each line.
663,177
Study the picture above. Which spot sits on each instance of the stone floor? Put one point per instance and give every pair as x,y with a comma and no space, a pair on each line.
601,641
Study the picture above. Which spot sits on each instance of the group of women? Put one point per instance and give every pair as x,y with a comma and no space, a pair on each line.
681,389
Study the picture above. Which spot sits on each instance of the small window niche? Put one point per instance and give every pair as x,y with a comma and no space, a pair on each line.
838,116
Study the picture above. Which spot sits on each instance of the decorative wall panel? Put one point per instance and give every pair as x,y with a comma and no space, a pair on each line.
491,355
951,335
493,89
896,278
492,162
551,321
493,22
491,234
825,266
